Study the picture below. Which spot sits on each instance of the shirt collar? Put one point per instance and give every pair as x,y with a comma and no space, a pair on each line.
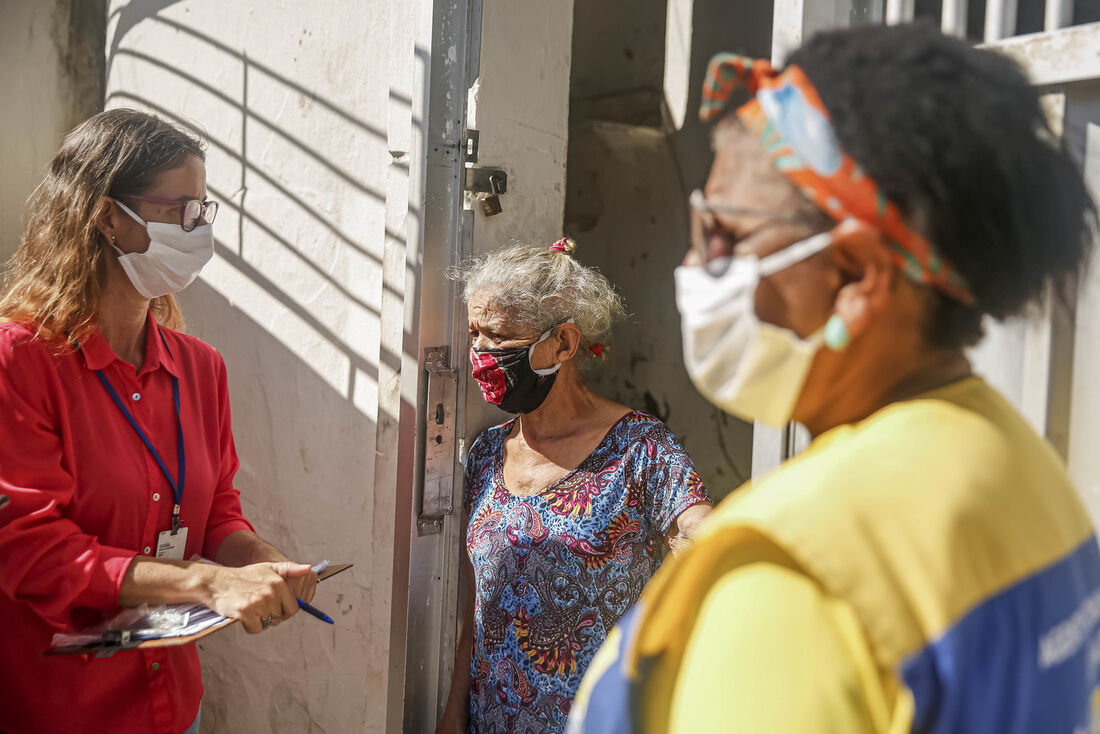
98,353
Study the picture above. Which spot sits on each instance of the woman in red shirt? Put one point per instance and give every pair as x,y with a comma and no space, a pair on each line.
116,447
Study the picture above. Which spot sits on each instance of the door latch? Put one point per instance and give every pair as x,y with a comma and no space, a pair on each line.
437,500
484,184
478,180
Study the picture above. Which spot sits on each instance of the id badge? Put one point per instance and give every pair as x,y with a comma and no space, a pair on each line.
171,545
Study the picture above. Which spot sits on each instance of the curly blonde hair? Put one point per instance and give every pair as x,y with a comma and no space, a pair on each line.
54,282
540,287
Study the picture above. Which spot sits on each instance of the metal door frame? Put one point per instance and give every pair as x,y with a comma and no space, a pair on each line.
439,232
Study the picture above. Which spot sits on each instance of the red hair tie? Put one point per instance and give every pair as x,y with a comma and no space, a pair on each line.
559,246
596,349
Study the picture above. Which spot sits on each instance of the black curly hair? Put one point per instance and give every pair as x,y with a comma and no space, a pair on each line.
956,138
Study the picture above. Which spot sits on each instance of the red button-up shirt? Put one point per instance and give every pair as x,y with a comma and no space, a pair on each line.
86,497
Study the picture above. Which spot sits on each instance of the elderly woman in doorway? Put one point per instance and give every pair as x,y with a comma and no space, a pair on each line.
117,450
569,505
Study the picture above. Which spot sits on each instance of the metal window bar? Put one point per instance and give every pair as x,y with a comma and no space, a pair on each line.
1059,14
1000,20
900,11
953,20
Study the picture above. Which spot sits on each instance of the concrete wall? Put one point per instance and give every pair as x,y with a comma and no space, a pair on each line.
52,55
618,61
308,116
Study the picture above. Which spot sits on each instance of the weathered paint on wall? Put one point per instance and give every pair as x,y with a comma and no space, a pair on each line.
52,55
308,117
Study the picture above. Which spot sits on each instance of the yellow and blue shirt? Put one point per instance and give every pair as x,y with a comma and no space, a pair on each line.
929,569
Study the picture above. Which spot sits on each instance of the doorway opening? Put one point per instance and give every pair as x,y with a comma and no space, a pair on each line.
636,150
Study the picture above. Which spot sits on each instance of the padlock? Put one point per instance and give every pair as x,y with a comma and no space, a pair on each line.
491,203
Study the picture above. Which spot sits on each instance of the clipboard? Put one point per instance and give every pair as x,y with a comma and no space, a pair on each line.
332,569
115,640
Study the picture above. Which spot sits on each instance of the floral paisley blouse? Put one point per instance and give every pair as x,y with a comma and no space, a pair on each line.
556,570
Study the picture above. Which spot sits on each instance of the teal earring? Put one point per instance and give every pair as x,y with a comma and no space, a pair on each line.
836,334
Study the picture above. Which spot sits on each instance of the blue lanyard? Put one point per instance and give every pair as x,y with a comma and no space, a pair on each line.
177,487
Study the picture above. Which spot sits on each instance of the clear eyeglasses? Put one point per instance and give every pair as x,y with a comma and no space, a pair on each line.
192,211
704,224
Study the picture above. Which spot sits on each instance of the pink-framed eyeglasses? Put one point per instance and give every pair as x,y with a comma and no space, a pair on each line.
192,211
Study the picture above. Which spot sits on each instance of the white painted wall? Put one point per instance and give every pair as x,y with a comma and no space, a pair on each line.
51,53
308,113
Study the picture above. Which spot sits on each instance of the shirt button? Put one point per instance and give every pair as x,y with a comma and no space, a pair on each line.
148,550
156,496
136,396
155,667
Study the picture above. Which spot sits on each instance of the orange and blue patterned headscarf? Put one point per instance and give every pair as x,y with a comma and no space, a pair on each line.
787,116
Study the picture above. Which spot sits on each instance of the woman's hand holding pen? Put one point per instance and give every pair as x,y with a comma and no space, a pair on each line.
244,547
303,587
260,595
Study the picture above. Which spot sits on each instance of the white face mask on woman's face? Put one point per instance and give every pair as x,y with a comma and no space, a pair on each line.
173,259
745,366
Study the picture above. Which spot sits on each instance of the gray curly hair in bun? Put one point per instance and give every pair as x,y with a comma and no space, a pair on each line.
540,287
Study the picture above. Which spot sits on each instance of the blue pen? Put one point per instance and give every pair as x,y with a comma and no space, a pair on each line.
315,612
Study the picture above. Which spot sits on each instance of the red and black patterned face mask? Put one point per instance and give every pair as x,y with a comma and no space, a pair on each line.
507,379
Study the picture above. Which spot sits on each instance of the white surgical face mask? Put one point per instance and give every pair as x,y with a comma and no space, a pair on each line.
745,366
173,259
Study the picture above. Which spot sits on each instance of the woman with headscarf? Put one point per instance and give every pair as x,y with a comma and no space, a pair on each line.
926,565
